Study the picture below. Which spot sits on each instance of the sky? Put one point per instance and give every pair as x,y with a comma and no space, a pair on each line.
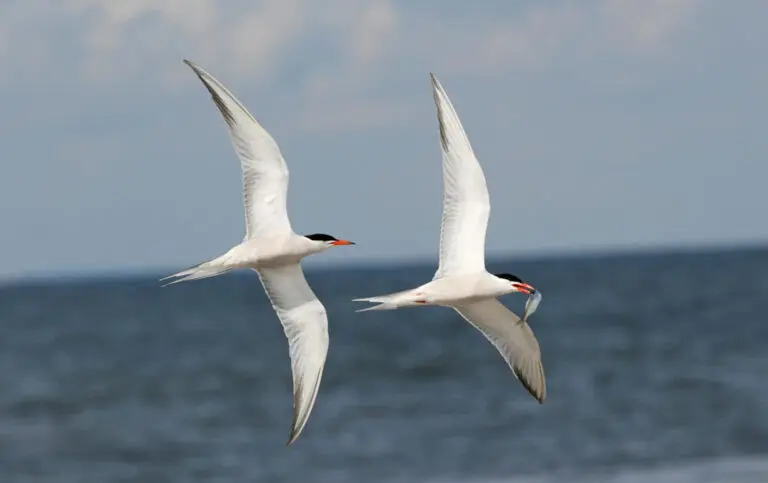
609,123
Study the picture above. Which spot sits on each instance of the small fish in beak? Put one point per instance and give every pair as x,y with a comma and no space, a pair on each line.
534,299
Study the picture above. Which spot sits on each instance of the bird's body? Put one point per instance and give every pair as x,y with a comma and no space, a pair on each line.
461,280
446,291
256,253
272,248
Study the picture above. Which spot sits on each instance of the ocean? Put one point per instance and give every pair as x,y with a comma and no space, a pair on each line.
657,370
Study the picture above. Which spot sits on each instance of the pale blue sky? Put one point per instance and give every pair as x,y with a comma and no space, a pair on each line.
606,123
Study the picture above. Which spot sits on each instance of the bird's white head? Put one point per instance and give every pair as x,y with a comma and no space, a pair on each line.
514,284
323,241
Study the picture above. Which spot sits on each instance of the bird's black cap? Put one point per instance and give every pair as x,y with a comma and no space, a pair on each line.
509,276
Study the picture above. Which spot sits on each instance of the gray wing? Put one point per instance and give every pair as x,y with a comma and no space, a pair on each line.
306,326
513,339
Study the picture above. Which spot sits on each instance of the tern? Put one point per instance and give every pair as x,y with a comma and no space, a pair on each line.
272,249
461,280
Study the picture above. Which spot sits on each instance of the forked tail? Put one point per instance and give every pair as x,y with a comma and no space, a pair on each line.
406,298
208,269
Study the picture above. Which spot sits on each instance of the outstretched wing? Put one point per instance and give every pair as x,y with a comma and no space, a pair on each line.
306,326
466,206
513,339
265,174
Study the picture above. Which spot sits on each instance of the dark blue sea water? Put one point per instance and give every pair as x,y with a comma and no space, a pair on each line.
657,370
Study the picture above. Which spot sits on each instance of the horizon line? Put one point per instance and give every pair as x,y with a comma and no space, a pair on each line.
593,252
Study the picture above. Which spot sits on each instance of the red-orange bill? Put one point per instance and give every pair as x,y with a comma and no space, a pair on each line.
524,287
343,242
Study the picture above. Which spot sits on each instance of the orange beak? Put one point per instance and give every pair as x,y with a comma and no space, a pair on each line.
342,242
524,287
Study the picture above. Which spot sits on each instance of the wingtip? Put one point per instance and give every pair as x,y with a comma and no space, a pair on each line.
538,397
538,393
195,68
292,438
296,429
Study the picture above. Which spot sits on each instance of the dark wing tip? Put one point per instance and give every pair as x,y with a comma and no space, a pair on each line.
294,424
192,66
294,429
436,86
196,69
292,438
294,433
539,395
229,118
436,89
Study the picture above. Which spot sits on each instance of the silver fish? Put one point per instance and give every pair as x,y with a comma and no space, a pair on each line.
531,305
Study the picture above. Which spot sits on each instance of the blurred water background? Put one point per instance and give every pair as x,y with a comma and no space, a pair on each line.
656,367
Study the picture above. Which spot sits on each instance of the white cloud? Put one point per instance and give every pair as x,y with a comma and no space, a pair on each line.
338,95
644,25
532,39
362,44
563,32
124,37
371,33
115,39
251,37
